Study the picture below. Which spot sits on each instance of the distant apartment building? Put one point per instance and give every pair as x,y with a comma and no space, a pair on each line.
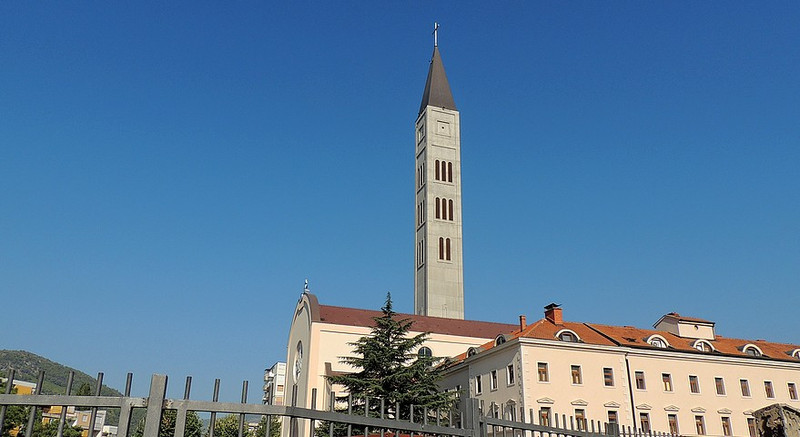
275,384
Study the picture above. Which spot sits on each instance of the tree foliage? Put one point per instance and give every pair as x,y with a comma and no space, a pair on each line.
194,427
16,415
274,427
389,368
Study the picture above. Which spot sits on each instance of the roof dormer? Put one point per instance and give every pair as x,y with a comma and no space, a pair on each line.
686,327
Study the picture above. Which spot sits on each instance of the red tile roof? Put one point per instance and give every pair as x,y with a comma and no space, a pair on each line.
636,337
438,325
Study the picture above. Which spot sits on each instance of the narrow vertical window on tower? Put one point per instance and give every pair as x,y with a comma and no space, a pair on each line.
450,210
436,173
438,209
447,249
441,247
449,172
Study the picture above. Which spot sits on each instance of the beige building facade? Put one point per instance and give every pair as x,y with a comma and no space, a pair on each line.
320,336
650,380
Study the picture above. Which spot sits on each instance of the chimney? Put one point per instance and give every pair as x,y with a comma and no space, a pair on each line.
522,323
552,313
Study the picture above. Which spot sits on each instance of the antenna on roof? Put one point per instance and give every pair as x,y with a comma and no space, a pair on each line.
435,34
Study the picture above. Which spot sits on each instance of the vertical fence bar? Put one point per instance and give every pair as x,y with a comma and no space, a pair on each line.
212,424
32,416
97,390
349,411
313,407
383,407
396,417
63,416
155,403
9,387
332,407
244,401
366,414
180,416
125,410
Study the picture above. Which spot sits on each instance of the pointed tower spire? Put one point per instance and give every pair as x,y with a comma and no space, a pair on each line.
437,89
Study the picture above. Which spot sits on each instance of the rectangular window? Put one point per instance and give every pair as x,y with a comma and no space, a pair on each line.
726,426
544,416
576,375
694,384
666,378
510,374
608,377
792,391
580,419
700,424
478,385
768,389
544,375
719,383
673,423
644,422
493,380
751,426
745,387
612,416
639,376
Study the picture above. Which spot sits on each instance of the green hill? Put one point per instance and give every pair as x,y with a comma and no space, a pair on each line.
28,365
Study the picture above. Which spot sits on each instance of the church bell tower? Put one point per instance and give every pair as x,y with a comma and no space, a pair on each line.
438,267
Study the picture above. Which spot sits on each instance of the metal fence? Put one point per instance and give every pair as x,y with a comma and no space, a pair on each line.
376,418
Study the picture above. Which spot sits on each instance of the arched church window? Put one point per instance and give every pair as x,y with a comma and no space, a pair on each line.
437,170
438,209
444,170
441,247
450,209
447,250
449,172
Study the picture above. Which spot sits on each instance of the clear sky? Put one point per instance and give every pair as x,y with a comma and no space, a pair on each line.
171,172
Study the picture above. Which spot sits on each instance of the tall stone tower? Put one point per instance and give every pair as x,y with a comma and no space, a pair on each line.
439,272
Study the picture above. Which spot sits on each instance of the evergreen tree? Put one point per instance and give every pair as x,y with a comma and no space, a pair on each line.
389,368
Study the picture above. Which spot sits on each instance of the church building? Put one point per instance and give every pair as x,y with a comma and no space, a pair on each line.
680,377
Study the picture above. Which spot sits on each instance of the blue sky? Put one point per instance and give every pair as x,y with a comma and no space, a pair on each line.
171,172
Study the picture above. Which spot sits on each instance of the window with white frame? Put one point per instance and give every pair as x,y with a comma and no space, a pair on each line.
510,374
493,380
478,385
575,372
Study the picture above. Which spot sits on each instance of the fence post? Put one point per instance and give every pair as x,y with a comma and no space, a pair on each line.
180,416
244,401
155,403
32,416
125,412
9,386
62,418
97,392
471,418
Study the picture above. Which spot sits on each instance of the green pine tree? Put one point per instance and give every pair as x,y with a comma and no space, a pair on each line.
390,369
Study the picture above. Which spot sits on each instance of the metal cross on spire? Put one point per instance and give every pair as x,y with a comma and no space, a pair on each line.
435,34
